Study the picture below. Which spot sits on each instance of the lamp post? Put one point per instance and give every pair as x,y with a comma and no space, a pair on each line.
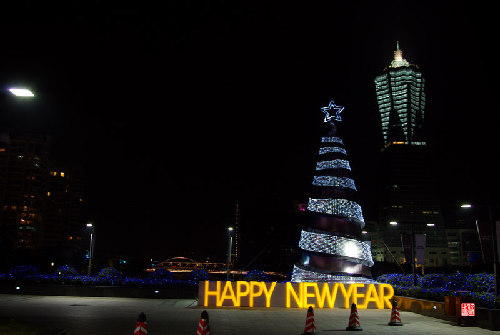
91,247
412,240
395,223
229,248
493,227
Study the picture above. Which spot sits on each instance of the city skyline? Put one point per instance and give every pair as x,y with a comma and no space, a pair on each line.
241,89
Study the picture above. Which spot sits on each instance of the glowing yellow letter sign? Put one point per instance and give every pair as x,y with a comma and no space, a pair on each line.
294,295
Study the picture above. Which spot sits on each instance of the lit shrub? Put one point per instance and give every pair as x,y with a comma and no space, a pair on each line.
66,270
161,274
256,275
198,275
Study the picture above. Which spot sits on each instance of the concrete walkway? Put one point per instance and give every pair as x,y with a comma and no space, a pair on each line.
117,316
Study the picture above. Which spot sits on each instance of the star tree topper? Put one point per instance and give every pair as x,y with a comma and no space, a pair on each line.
332,107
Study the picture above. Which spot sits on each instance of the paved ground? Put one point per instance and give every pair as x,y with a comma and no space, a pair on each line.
113,316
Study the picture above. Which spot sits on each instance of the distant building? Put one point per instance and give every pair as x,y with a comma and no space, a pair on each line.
64,218
41,207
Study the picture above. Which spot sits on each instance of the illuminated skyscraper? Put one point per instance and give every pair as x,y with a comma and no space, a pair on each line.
332,248
401,102
409,189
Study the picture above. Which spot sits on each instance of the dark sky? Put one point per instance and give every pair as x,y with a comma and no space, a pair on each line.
178,110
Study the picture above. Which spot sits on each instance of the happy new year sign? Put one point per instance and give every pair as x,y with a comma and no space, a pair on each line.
294,295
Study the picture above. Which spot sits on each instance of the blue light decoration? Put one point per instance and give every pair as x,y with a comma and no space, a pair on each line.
331,139
332,107
329,255
333,164
331,150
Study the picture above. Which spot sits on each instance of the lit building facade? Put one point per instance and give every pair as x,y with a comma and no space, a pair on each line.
401,102
409,199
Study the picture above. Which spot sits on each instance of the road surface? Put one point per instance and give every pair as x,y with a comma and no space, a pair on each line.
117,316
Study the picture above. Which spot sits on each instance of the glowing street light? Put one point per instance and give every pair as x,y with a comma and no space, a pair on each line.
229,247
466,205
21,92
91,250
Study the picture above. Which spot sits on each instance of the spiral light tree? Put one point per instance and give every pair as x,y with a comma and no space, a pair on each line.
332,248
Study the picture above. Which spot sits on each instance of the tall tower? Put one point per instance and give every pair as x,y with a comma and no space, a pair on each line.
401,102
409,192
332,248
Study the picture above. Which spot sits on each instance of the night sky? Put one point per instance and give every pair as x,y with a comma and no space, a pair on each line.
178,110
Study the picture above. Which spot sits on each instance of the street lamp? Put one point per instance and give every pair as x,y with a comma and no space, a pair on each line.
21,92
91,248
496,283
395,223
229,247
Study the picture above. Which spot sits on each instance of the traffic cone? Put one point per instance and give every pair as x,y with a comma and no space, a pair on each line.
310,327
141,327
395,319
354,319
203,327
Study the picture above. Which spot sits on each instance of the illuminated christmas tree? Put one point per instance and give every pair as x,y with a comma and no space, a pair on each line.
332,248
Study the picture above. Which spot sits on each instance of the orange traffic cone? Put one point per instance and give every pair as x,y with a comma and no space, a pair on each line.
310,327
395,319
141,327
354,319
203,327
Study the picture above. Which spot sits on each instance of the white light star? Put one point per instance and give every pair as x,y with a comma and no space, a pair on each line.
332,106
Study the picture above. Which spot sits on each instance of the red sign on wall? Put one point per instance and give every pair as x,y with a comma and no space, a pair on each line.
468,309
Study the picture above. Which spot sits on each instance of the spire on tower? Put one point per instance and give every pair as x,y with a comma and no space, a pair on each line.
398,58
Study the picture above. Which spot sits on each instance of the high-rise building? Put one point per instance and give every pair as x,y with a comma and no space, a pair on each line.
401,102
409,191
41,204
23,179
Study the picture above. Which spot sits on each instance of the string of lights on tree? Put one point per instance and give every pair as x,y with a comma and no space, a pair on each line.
334,181
340,207
333,164
336,245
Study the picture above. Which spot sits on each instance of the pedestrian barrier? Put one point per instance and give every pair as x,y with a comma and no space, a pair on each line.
310,327
141,327
395,318
203,327
354,319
